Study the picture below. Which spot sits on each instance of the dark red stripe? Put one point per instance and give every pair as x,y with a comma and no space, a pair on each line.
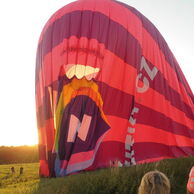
155,34
148,116
108,150
42,152
143,151
116,102
160,84
103,28
150,150
120,104
44,112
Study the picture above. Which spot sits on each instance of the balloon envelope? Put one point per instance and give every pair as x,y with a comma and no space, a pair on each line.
109,91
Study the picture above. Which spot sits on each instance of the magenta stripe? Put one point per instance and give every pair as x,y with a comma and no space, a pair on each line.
150,150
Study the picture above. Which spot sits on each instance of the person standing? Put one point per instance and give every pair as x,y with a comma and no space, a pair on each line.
154,182
190,183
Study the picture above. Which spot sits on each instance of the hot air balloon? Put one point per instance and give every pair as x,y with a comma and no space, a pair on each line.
109,91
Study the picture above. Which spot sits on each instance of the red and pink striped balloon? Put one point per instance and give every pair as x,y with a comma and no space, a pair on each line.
108,91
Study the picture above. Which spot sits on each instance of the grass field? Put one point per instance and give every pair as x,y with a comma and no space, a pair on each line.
104,181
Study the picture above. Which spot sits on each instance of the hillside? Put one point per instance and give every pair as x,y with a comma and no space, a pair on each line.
18,154
104,181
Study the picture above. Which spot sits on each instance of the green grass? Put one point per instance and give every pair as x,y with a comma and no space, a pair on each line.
15,183
103,181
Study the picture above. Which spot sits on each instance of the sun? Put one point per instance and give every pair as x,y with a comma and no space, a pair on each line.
19,137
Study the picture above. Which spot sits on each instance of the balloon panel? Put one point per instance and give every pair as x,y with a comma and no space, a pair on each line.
109,91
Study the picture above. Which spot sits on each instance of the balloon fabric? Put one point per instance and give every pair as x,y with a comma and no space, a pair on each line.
109,91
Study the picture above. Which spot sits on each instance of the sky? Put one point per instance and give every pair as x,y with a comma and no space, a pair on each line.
21,24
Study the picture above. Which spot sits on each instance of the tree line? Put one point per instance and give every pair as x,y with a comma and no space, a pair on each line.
19,154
